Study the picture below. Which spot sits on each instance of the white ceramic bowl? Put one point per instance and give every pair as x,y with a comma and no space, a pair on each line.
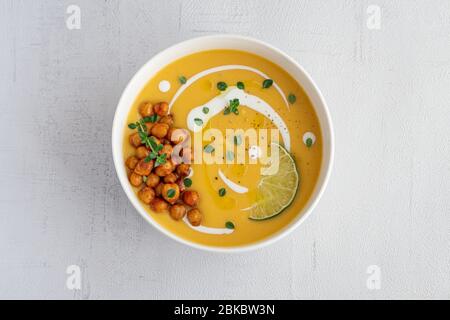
263,49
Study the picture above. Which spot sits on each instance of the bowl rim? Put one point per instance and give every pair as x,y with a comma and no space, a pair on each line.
327,164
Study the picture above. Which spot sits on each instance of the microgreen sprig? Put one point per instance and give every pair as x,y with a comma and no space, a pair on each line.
154,154
149,142
232,107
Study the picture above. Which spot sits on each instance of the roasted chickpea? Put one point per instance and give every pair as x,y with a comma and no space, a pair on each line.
158,189
177,211
171,192
165,168
135,140
144,168
195,217
149,126
142,152
191,198
167,120
159,205
183,170
131,162
146,109
161,109
135,179
152,180
146,194
170,178
160,130
167,149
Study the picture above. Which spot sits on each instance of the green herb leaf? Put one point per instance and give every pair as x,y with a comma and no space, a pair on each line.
240,85
222,192
153,144
149,158
171,193
309,142
292,98
237,140
187,182
132,126
205,110
153,118
232,107
234,103
141,126
182,79
209,148
198,122
161,159
229,225
222,86
267,83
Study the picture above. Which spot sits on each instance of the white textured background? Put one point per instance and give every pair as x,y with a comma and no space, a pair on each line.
387,204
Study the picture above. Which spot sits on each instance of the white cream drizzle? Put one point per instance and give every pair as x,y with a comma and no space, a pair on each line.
254,152
208,230
164,86
217,104
232,185
206,72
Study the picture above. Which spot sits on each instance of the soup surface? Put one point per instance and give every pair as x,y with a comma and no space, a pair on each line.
226,95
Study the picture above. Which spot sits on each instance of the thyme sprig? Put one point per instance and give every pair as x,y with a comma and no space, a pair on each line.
149,142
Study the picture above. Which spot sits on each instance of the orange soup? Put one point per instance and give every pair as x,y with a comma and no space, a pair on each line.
247,155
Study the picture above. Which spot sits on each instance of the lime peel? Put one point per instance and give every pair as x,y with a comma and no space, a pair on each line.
276,192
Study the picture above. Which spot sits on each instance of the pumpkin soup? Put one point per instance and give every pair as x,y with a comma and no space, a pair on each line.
223,148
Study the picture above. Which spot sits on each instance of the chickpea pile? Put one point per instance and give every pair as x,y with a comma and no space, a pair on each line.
161,181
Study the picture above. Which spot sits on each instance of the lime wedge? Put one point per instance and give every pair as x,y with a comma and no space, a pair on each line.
276,191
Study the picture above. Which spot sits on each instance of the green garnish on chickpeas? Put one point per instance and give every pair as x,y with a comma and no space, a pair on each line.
161,182
222,192
151,118
171,193
156,148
